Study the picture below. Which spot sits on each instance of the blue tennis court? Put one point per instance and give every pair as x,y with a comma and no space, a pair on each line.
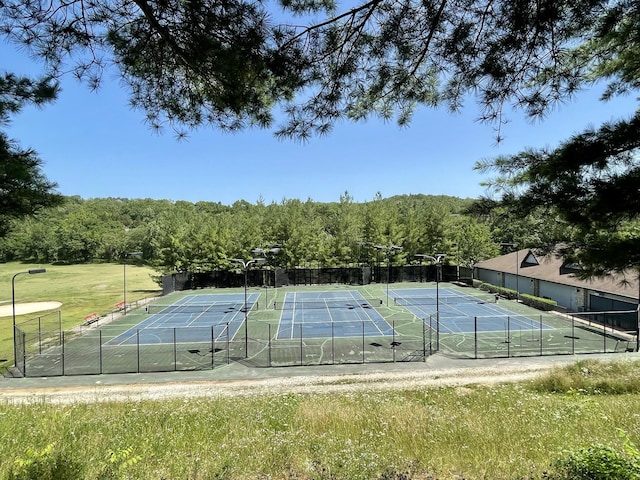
191,319
460,313
330,315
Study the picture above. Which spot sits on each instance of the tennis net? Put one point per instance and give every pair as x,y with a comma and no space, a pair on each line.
444,299
199,308
328,303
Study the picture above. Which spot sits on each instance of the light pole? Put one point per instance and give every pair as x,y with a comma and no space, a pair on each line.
514,245
124,277
13,306
388,249
245,266
437,261
266,252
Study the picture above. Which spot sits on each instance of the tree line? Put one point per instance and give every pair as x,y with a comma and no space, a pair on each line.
317,62
185,236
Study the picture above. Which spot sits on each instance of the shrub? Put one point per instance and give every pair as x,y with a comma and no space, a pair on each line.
45,465
601,462
545,304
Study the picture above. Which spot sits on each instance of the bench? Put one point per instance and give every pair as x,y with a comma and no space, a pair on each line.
91,318
120,306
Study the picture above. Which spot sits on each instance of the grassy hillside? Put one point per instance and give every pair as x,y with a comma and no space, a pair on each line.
82,289
568,425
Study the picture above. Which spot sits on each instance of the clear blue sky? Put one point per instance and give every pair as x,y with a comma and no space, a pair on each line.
93,145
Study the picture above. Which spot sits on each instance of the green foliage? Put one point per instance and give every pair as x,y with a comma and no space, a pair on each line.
190,237
498,431
232,64
25,190
45,464
118,464
539,303
545,304
591,378
600,462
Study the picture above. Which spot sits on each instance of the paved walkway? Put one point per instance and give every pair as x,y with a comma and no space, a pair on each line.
239,371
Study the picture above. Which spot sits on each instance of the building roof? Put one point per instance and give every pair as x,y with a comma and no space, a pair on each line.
553,269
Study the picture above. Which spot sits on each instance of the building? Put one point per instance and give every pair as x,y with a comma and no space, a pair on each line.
551,277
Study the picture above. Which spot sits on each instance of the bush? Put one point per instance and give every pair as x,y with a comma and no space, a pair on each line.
600,462
45,465
545,304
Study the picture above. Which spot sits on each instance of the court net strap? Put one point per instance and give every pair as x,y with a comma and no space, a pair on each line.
445,300
349,304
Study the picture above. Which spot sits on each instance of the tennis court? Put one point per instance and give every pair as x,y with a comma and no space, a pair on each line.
314,325
461,313
330,315
197,317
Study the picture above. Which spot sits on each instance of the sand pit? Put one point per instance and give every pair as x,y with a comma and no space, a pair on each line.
25,308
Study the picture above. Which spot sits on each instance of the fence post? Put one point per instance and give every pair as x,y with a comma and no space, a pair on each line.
138,348
213,347
363,349
541,351
301,347
100,350
475,337
333,345
228,347
61,359
269,346
508,339
393,341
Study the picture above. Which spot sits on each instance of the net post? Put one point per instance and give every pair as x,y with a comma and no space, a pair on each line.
40,335
508,339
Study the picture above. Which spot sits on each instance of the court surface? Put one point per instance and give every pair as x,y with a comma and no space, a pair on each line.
465,313
223,311
330,315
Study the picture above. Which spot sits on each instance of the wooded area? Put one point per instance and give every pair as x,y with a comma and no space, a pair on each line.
184,236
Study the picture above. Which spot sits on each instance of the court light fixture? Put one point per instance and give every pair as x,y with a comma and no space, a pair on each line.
245,266
437,261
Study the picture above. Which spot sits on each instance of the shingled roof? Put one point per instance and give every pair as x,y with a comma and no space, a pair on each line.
550,268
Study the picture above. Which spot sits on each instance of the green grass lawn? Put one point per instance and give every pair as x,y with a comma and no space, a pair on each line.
578,422
82,290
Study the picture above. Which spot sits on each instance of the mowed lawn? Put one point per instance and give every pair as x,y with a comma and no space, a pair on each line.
82,290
